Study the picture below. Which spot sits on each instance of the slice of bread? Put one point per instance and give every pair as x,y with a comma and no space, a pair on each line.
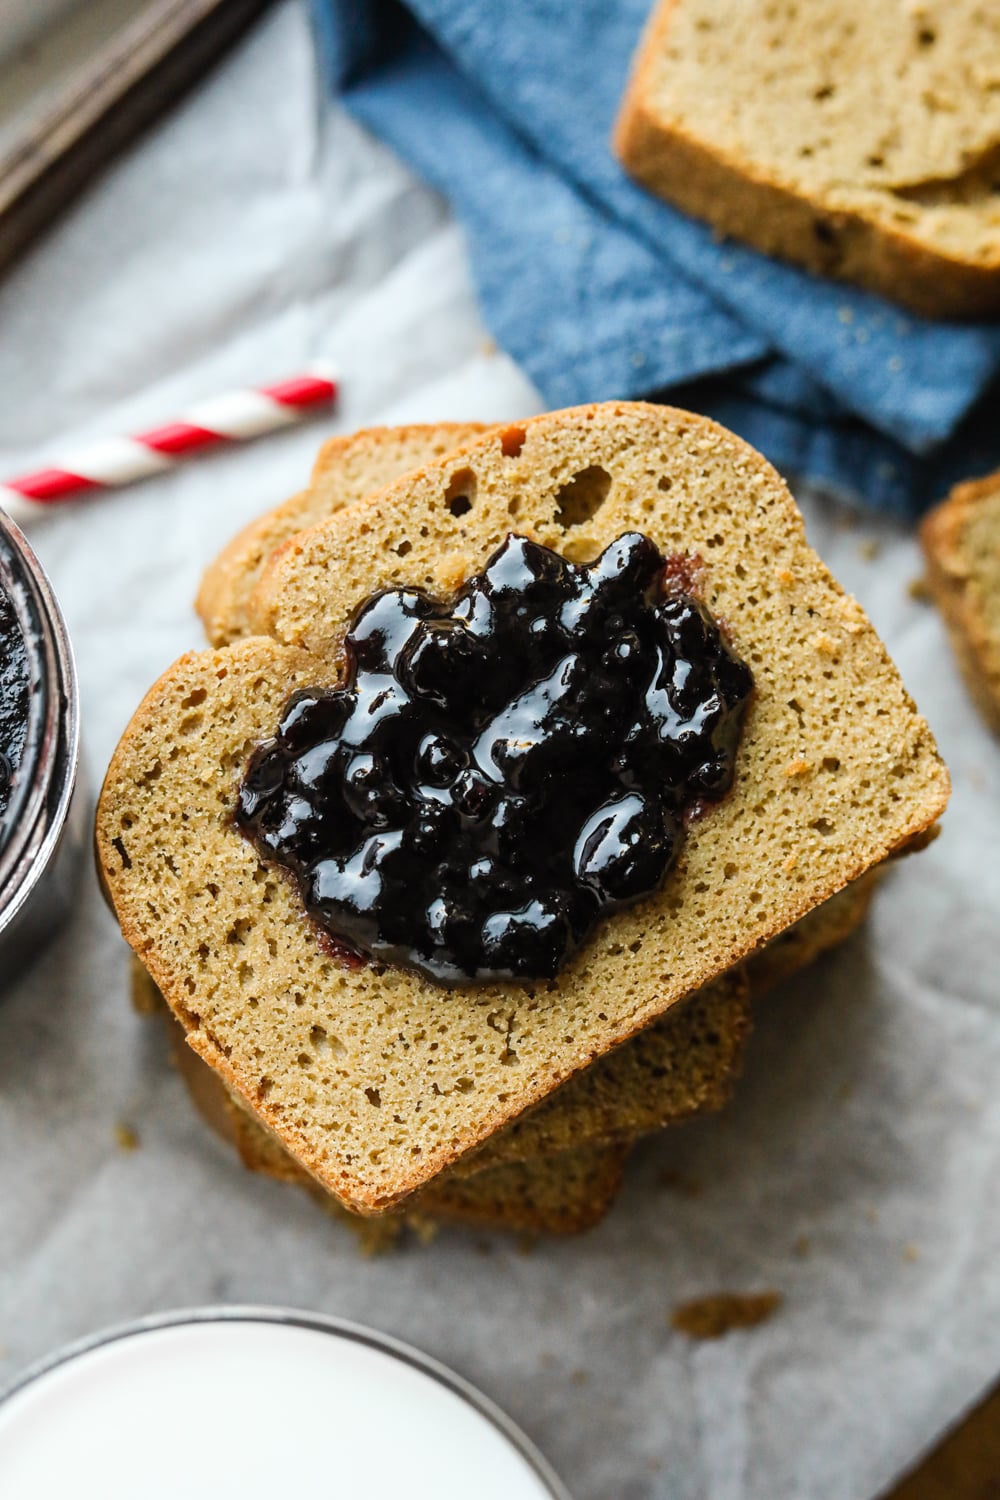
562,1194
861,141
665,1074
347,469
687,1066
961,541
684,1065
378,1080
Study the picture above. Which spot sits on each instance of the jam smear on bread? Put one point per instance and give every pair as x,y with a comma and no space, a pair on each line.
497,774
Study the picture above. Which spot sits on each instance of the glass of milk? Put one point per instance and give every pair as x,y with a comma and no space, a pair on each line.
257,1403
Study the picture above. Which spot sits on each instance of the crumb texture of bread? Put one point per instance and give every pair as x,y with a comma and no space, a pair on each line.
562,1194
961,542
757,115
685,1065
816,933
347,469
378,1080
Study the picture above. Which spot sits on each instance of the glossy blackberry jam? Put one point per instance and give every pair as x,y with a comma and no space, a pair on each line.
499,772
13,698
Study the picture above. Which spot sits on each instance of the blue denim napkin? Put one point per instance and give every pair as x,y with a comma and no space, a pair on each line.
599,290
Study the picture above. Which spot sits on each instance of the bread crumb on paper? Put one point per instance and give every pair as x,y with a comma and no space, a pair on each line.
676,1182
714,1316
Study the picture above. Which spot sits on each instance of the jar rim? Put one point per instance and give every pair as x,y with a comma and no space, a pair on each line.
46,770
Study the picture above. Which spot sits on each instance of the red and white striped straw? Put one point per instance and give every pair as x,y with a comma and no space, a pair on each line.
118,461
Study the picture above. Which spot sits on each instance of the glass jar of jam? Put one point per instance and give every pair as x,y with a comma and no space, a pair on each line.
41,809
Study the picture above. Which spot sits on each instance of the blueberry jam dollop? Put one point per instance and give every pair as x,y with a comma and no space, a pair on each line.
13,699
498,773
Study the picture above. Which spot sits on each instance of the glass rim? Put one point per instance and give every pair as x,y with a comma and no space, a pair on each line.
46,772
342,1328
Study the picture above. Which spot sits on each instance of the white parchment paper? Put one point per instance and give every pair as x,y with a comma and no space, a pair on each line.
255,229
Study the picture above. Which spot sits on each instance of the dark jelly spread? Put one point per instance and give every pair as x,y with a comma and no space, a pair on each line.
497,773
13,698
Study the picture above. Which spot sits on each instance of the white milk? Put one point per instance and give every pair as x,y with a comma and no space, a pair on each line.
254,1410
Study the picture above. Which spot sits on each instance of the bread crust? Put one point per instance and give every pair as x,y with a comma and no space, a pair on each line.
155,799
346,468
741,200
567,1193
959,581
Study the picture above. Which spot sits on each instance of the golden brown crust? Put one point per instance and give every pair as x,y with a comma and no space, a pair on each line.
873,780
964,579
740,198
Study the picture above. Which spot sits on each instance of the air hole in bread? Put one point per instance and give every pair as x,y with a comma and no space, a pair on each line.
374,1097
926,36
579,500
512,441
582,549
461,492
404,549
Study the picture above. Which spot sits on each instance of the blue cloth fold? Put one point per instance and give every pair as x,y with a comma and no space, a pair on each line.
600,290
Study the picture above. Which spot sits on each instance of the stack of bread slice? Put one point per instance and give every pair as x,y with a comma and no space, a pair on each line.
506,1104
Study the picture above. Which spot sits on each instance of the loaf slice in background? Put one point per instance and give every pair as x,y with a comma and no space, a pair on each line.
861,141
347,468
378,1080
961,542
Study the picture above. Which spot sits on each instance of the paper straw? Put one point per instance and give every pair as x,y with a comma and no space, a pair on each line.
117,461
